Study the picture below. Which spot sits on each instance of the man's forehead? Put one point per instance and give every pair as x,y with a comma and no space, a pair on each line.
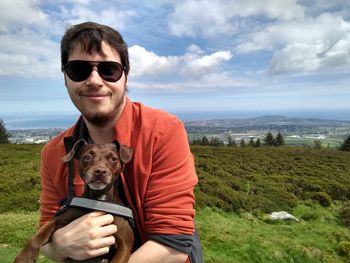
83,47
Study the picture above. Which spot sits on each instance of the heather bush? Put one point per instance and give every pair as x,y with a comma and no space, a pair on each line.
232,178
344,214
344,248
323,198
270,179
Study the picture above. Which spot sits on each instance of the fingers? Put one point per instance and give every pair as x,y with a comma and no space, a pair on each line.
98,232
104,219
88,236
95,253
97,244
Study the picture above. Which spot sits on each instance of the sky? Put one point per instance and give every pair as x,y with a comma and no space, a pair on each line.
187,56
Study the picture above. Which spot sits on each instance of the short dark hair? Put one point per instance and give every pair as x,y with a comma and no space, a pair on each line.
90,36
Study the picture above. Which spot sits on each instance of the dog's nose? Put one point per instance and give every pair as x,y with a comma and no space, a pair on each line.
100,172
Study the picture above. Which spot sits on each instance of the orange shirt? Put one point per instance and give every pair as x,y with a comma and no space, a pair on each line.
161,174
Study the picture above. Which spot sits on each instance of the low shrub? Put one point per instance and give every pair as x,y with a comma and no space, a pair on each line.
345,214
323,198
19,201
344,248
309,216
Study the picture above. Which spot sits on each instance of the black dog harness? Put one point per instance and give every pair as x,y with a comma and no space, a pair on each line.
95,205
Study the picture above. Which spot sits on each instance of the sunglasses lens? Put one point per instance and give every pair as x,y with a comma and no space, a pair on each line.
78,70
110,71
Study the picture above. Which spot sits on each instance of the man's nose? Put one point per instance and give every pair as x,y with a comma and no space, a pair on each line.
95,78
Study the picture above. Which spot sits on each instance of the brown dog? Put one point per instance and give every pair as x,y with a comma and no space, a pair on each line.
99,166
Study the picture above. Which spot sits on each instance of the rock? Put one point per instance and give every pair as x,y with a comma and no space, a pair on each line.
282,215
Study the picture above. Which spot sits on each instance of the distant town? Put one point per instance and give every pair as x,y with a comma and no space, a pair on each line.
34,136
296,131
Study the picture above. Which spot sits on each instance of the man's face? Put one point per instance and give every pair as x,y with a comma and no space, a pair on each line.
99,101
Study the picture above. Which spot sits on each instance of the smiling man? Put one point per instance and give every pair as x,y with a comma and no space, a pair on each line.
158,183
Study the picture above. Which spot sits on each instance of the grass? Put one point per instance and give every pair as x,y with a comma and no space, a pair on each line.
230,237
309,142
15,230
19,169
237,187
269,179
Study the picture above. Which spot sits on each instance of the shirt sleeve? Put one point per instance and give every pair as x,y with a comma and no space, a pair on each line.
50,197
169,199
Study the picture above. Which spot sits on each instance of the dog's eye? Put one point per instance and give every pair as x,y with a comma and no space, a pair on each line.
113,159
87,158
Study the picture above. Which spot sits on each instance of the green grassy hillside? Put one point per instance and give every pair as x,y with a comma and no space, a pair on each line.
237,187
270,179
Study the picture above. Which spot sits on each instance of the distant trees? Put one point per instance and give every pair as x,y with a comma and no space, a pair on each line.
214,141
251,142
279,140
204,141
231,141
257,143
317,144
268,140
4,134
346,145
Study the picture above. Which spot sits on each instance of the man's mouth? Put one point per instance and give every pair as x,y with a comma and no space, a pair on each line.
96,97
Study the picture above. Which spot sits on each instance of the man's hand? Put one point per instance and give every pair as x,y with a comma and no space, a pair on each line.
86,237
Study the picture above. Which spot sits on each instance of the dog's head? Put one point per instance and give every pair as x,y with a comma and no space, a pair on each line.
99,164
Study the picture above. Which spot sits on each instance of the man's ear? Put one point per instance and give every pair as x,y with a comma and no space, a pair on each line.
65,79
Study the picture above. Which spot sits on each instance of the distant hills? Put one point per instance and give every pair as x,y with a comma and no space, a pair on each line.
287,125
255,127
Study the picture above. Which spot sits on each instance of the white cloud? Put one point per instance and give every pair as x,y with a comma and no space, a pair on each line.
15,14
195,70
200,66
204,17
29,32
305,45
112,16
208,18
26,53
211,82
144,62
300,36
193,64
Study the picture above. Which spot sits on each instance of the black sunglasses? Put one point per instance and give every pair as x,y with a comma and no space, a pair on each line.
79,70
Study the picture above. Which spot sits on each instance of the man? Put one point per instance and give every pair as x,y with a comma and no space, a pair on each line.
159,181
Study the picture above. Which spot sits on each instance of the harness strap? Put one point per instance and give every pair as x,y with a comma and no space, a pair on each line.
111,208
68,144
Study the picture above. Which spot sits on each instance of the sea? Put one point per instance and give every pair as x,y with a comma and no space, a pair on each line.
65,120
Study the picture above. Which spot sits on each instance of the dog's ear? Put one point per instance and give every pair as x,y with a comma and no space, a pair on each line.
125,153
75,149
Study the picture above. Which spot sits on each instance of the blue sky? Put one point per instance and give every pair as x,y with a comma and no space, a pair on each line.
191,55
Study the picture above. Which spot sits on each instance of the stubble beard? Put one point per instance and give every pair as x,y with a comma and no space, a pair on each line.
101,119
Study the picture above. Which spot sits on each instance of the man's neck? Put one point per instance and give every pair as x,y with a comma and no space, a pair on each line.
104,133
101,134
